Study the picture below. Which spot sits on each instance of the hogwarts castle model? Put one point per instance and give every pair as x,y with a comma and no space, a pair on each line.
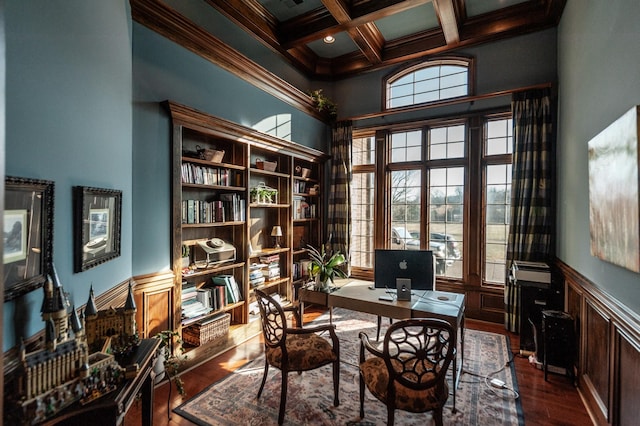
112,329
67,369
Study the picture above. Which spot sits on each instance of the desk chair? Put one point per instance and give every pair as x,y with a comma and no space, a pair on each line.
295,349
409,373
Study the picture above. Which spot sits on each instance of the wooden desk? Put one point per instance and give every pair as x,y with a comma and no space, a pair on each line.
111,408
358,296
308,295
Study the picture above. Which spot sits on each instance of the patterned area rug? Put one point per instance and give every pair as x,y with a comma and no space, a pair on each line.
232,401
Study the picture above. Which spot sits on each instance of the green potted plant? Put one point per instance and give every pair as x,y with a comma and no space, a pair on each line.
323,103
324,267
168,362
185,256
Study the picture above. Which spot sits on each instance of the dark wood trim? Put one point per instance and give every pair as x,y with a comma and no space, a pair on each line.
447,102
150,285
456,30
608,349
170,24
619,312
186,116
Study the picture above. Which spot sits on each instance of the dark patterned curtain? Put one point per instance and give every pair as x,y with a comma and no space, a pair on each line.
531,226
339,214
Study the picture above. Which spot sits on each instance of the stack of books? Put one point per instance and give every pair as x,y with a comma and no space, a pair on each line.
271,267
272,271
194,303
256,277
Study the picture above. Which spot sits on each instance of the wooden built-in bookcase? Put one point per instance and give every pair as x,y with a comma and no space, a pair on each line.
215,198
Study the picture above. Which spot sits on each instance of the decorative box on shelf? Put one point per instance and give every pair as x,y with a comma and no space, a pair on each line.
207,330
212,155
269,166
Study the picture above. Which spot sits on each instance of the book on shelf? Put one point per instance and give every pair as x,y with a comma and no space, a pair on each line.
189,291
203,175
193,309
256,276
233,206
205,297
201,211
231,286
268,259
271,272
219,296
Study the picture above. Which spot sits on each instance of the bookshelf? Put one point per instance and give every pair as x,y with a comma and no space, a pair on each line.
231,185
307,210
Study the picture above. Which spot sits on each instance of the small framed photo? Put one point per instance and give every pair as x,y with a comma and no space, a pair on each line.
28,234
97,221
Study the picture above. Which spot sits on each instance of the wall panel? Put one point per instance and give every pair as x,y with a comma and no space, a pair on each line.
608,361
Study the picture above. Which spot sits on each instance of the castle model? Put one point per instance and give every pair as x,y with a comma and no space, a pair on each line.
66,369
113,327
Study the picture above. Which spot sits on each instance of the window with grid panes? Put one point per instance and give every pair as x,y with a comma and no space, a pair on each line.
446,181
362,201
428,82
498,146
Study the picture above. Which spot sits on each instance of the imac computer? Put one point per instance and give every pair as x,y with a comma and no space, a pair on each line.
404,270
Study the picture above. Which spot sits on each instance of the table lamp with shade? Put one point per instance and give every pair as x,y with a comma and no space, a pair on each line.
276,232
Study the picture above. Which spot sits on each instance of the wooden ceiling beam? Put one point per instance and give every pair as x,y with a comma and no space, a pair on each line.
447,17
250,16
317,24
369,41
367,36
289,39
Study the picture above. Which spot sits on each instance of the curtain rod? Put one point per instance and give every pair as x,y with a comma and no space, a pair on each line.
469,99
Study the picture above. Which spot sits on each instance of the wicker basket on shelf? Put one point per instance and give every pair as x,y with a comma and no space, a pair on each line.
207,330
269,166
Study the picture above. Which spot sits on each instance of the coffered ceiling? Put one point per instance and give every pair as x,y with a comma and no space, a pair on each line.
371,34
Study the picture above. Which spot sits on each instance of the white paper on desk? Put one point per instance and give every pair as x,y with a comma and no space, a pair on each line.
428,304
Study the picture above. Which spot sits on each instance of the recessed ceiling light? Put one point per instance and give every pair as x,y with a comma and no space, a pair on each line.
329,39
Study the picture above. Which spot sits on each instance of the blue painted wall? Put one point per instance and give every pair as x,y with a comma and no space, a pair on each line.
68,115
162,70
521,61
84,86
82,108
599,59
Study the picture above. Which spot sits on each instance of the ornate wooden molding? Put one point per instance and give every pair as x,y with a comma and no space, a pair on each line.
167,22
201,121
619,313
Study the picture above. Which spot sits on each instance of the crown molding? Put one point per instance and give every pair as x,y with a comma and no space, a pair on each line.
167,22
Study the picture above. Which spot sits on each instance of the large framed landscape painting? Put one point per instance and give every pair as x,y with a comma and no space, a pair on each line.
614,218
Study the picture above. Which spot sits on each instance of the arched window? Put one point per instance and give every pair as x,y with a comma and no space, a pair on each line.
429,81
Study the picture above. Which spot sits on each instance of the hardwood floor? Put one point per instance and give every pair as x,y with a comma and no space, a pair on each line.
554,402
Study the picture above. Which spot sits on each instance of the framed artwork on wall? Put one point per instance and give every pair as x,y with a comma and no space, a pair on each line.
614,200
28,234
97,220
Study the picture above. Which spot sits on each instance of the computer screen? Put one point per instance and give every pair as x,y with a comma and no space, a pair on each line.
416,265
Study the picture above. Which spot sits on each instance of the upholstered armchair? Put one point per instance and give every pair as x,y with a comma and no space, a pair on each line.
409,371
295,349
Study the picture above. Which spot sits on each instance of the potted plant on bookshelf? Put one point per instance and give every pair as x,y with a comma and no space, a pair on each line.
185,256
324,267
168,362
